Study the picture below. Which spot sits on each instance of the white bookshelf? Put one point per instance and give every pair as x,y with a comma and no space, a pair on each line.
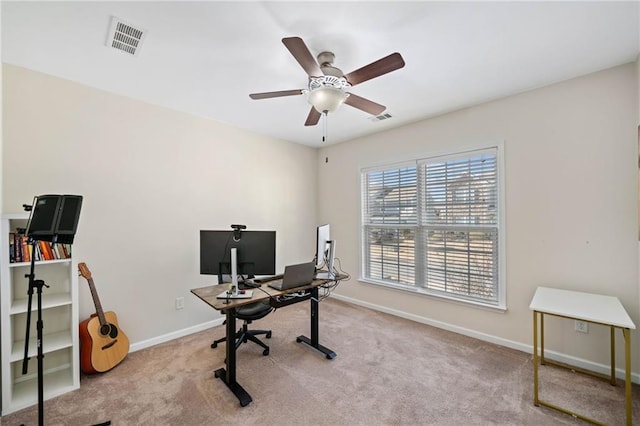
60,320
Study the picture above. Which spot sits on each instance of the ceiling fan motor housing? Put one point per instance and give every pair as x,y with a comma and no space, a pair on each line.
325,60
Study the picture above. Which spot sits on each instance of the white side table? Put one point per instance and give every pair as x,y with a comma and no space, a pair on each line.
594,308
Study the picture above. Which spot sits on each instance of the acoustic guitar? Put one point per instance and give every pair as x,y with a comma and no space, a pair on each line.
102,344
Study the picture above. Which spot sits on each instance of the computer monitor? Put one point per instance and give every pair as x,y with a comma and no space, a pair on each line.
255,251
325,251
323,236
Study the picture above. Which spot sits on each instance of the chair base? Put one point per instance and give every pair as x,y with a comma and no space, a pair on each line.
243,335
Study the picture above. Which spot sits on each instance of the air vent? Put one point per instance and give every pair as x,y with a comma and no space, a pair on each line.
125,37
381,117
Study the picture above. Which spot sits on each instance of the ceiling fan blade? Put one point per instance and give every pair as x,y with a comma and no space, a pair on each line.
313,117
364,104
376,69
300,51
266,95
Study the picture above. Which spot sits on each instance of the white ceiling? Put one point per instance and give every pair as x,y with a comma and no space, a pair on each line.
204,58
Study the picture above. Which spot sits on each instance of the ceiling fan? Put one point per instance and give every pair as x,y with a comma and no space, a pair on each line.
328,86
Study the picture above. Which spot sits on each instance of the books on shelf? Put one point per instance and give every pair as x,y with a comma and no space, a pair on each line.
21,251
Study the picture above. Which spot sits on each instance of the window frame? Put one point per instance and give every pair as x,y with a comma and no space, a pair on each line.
419,249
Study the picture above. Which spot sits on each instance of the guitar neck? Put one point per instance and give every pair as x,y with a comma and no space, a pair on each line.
96,302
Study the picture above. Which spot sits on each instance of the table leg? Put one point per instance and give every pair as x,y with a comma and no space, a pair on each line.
313,342
541,338
627,372
613,355
228,376
536,402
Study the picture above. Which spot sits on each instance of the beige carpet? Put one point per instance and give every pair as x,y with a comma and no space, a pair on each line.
389,371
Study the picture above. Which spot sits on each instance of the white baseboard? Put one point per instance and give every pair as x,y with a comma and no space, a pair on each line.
174,335
552,355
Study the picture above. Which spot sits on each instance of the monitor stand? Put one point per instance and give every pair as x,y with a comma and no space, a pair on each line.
234,292
330,274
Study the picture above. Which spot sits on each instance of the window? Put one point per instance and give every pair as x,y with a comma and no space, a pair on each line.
432,226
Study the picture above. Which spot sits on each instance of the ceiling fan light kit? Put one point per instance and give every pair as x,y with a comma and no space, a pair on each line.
328,85
327,93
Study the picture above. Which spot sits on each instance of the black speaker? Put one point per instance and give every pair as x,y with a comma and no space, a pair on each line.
54,218
69,214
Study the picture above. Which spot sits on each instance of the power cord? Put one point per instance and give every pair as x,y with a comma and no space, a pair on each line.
331,285
259,287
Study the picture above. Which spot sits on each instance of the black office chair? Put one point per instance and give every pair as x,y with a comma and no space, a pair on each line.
249,313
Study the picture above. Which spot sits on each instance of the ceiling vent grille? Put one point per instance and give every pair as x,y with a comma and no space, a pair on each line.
381,117
125,37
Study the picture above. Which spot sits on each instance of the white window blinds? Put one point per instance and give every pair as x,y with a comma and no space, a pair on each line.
433,225
390,196
460,224
389,216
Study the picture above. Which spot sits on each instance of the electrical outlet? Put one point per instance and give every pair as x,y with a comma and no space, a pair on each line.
179,303
581,326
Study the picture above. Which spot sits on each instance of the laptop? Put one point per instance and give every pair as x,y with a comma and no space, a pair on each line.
296,276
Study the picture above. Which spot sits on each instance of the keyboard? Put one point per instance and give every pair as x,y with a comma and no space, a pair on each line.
267,279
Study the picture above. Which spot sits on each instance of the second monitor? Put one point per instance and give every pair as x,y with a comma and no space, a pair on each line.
325,251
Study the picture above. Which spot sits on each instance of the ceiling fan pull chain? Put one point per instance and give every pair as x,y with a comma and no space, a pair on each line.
324,130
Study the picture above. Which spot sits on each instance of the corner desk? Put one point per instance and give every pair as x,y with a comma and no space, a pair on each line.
593,308
209,296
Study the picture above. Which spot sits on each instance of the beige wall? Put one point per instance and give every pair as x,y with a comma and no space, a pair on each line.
638,155
151,179
571,211
637,68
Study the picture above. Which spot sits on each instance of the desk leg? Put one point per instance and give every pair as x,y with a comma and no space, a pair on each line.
313,342
228,376
536,402
627,372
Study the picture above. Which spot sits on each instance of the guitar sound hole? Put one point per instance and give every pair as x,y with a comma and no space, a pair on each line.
109,330
105,329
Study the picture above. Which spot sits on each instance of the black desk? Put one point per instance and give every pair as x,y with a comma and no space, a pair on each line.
209,296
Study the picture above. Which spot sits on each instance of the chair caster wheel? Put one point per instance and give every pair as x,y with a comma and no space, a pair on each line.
268,335
265,352
214,345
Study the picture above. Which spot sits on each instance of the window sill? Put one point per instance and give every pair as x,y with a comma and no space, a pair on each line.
422,292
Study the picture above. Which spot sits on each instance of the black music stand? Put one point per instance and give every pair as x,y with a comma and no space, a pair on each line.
53,218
